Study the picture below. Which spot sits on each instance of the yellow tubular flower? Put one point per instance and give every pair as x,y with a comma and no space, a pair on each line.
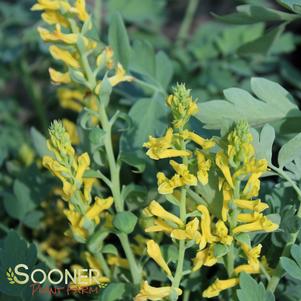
53,18
204,258
51,5
248,217
206,224
74,219
203,167
57,35
161,148
167,186
252,254
80,9
252,187
204,143
64,55
227,196
255,205
59,77
118,261
218,286
88,184
182,170
98,207
222,162
72,131
71,99
191,232
221,232
159,226
153,251
157,210
92,261
262,224
148,292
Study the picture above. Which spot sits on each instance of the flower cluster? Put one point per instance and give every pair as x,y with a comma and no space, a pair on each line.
70,169
215,236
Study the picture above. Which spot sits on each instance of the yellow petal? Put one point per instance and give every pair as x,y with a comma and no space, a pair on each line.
153,251
206,224
64,55
218,286
222,162
59,77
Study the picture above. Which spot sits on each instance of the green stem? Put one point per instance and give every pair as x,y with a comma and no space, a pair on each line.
279,272
186,295
186,24
179,271
103,264
4,228
149,86
113,165
98,15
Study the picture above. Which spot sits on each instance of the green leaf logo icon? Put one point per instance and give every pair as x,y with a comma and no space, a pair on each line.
12,279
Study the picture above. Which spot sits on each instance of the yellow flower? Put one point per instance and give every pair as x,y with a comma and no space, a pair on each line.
80,9
118,261
218,286
203,167
153,251
182,170
64,55
261,224
148,292
167,186
72,131
248,217
98,207
222,162
227,197
59,77
71,99
191,232
159,226
92,261
221,231
252,254
157,210
51,5
74,218
161,148
88,184
255,205
53,17
252,187
204,258
83,164
206,224
204,143
57,35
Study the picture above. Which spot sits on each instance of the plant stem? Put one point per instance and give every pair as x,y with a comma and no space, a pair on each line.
4,228
179,270
98,15
103,264
113,165
186,295
279,272
188,18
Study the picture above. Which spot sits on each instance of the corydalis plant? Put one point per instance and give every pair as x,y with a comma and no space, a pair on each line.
218,233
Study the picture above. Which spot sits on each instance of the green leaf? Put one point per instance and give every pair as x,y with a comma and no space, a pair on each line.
40,143
294,5
125,222
15,251
291,267
263,143
163,75
248,14
149,117
114,291
289,151
264,44
21,203
250,290
33,219
134,161
273,104
119,40
220,250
